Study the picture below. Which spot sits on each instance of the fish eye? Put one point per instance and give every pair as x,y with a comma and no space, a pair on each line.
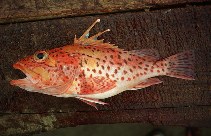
41,55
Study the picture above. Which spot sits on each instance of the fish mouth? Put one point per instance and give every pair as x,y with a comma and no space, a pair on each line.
30,75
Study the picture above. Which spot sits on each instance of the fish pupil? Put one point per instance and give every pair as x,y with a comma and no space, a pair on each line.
40,55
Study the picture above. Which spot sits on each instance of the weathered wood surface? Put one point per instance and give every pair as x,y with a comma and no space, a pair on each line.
26,10
175,102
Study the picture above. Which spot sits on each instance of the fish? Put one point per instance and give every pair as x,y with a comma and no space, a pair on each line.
91,69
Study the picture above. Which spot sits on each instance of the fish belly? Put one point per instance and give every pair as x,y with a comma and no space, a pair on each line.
121,87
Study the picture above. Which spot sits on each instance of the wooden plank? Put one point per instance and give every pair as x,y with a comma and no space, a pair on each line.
25,10
169,31
33,123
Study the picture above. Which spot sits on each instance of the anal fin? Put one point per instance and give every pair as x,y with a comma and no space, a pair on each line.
90,101
147,83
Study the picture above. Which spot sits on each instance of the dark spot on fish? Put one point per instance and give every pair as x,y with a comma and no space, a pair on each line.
147,65
98,58
119,63
115,71
63,80
125,72
134,67
158,71
100,72
139,67
88,69
104,61
97,64
131,70
105,57
146,69
112,50
122,78
129,79
111,63
111,56
61,67
94,70
125,61
129,59
108,67
81,64
107,75
112,75
89,56
85,61
71,62
118,68
102,67
119,57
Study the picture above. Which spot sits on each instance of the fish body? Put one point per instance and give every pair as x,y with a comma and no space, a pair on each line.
91,69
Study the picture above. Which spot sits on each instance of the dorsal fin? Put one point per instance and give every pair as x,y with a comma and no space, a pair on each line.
86,40
152,53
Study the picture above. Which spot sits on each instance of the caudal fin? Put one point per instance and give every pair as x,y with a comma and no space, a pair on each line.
181,65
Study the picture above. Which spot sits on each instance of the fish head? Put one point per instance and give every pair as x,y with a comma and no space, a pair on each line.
42,71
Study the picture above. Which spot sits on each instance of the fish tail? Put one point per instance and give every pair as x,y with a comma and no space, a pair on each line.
181,65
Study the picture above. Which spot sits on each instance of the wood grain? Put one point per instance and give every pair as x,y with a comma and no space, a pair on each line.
175,102
27,10
33,123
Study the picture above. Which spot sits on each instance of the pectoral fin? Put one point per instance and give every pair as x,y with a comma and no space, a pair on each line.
96,85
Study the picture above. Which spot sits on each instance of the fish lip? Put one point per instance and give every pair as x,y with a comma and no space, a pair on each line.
20,67
25,70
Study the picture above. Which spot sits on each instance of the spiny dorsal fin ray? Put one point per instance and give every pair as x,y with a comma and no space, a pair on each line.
86,33
86,40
